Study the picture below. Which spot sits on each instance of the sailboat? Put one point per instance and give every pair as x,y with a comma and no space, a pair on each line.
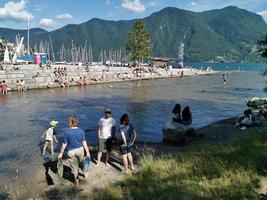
14,59
17,52
6,56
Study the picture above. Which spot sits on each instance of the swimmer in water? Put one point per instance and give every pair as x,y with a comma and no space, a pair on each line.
224,79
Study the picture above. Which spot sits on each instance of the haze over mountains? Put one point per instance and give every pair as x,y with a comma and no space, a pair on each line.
228,34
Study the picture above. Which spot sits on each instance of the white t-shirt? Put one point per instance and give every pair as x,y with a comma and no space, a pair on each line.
49,134
247,120
105,126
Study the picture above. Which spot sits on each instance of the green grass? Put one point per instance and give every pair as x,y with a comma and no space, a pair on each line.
231,171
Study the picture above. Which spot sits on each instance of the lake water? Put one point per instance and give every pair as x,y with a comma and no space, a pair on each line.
24,117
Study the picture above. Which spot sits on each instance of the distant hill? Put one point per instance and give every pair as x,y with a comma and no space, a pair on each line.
227,34
10,34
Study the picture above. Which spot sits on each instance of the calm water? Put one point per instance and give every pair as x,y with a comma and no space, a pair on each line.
25,116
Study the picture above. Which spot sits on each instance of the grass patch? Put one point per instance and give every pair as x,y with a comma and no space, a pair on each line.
231,171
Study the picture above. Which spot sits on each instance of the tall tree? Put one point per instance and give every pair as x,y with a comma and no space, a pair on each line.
139,43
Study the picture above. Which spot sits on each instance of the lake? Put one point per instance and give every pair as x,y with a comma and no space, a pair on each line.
24,117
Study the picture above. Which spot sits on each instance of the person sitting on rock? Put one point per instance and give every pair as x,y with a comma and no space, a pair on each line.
186,116
85,81
80,81
177,113
23,84
247,120
262,114
18,86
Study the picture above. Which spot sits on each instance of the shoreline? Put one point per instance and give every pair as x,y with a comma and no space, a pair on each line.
217,133
37,78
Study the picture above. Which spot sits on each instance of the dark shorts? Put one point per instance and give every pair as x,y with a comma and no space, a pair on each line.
125,149
105,144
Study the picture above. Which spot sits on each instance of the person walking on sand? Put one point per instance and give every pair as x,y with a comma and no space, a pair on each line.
75,144
128,136
50,137
106,132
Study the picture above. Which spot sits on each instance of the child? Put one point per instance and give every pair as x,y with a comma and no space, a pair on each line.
50,136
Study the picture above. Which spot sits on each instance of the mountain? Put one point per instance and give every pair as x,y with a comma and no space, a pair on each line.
227,34
10,34
238,26
171,26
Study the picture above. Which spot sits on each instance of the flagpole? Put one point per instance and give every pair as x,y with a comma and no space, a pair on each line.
28,35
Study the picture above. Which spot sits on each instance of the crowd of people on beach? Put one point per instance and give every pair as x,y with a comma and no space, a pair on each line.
82,81
75,148
21,85
43,67
64,76
61,76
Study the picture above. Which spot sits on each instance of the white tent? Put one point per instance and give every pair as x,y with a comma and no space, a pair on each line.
6,56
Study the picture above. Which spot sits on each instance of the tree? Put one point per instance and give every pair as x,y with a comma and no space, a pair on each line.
262,46
139,42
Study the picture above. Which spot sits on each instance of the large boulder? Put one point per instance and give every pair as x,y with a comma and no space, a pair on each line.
256,102
175,132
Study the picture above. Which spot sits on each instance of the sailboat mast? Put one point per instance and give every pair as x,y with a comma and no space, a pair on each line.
53,55
28,36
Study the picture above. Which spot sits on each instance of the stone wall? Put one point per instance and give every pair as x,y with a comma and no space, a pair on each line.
28,73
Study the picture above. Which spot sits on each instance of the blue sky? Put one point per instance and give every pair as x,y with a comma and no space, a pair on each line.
53,14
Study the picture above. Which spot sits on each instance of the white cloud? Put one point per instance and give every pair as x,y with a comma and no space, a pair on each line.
39,7
152,4
192,3
13,11
263,14
133,6
109,2
47,22
64,16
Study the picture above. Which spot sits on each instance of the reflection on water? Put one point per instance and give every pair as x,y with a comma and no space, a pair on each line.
25,116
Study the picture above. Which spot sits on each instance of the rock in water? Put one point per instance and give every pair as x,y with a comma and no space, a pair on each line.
175,132
256,102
